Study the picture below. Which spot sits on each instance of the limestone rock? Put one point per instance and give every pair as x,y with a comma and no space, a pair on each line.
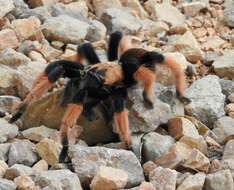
179,127
97,31
18,170
229,150
22,152
231,97
193,182
227,86
197,161
3,168
37,3
219,180
6,7
148,167
7,184
8,103
224,129
40,166
57,179
228,15
94,157
163,178
65,28
24,183
155,145
109,178
7,131
38,133
207,103
165,12
224,65
8,38
193,8
115,20
49,150
213,43
4,149
36,56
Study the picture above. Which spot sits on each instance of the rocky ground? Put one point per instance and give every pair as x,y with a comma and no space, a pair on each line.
174,146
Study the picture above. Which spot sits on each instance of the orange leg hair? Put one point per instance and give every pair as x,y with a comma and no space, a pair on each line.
122,126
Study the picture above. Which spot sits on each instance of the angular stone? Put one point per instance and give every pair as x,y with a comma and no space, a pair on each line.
24,183
228,15
40,166
115,20
148,167
22,152
65,28
7,184
36,56
26,28
49,150
38,133
193,182
207,103
155,145
109,178
213,43
224,129
4,149
197,161
8,38
219,180
165,12
231,97
57,179
224,65
6,7
229,150
97,31
193,8
37,3
18,170
94,157
7,131
179,127
8,103
163,178
3,168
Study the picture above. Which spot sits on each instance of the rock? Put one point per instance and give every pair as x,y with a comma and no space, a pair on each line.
115,20
219,180
193,182
18,170
22,152
224,65
4,149
97,31
7,131
228,15
197,161
24,183
213,43
7,184
146,186
100,6
40,166
37,57
8,103
26,28
207,104
109,178
229,150
49,150
58,179
148,167
187,45
135,6
94,157
3,168
38,133
227,86
179,127
163,178
37,3
229,108
8,38
6,7
231,97
165,12
193,8
227,164
155,145
65,28
224,129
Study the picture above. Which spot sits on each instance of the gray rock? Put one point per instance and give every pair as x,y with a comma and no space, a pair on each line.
219,180
20,7
87,160
97,31
193,182
22,152
57,179
6,7
207,103
115,20
229,150
154,145
224,129
224,65
7,184
8,103
227,86
65,29
7,131
18,170
4,150
229,15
